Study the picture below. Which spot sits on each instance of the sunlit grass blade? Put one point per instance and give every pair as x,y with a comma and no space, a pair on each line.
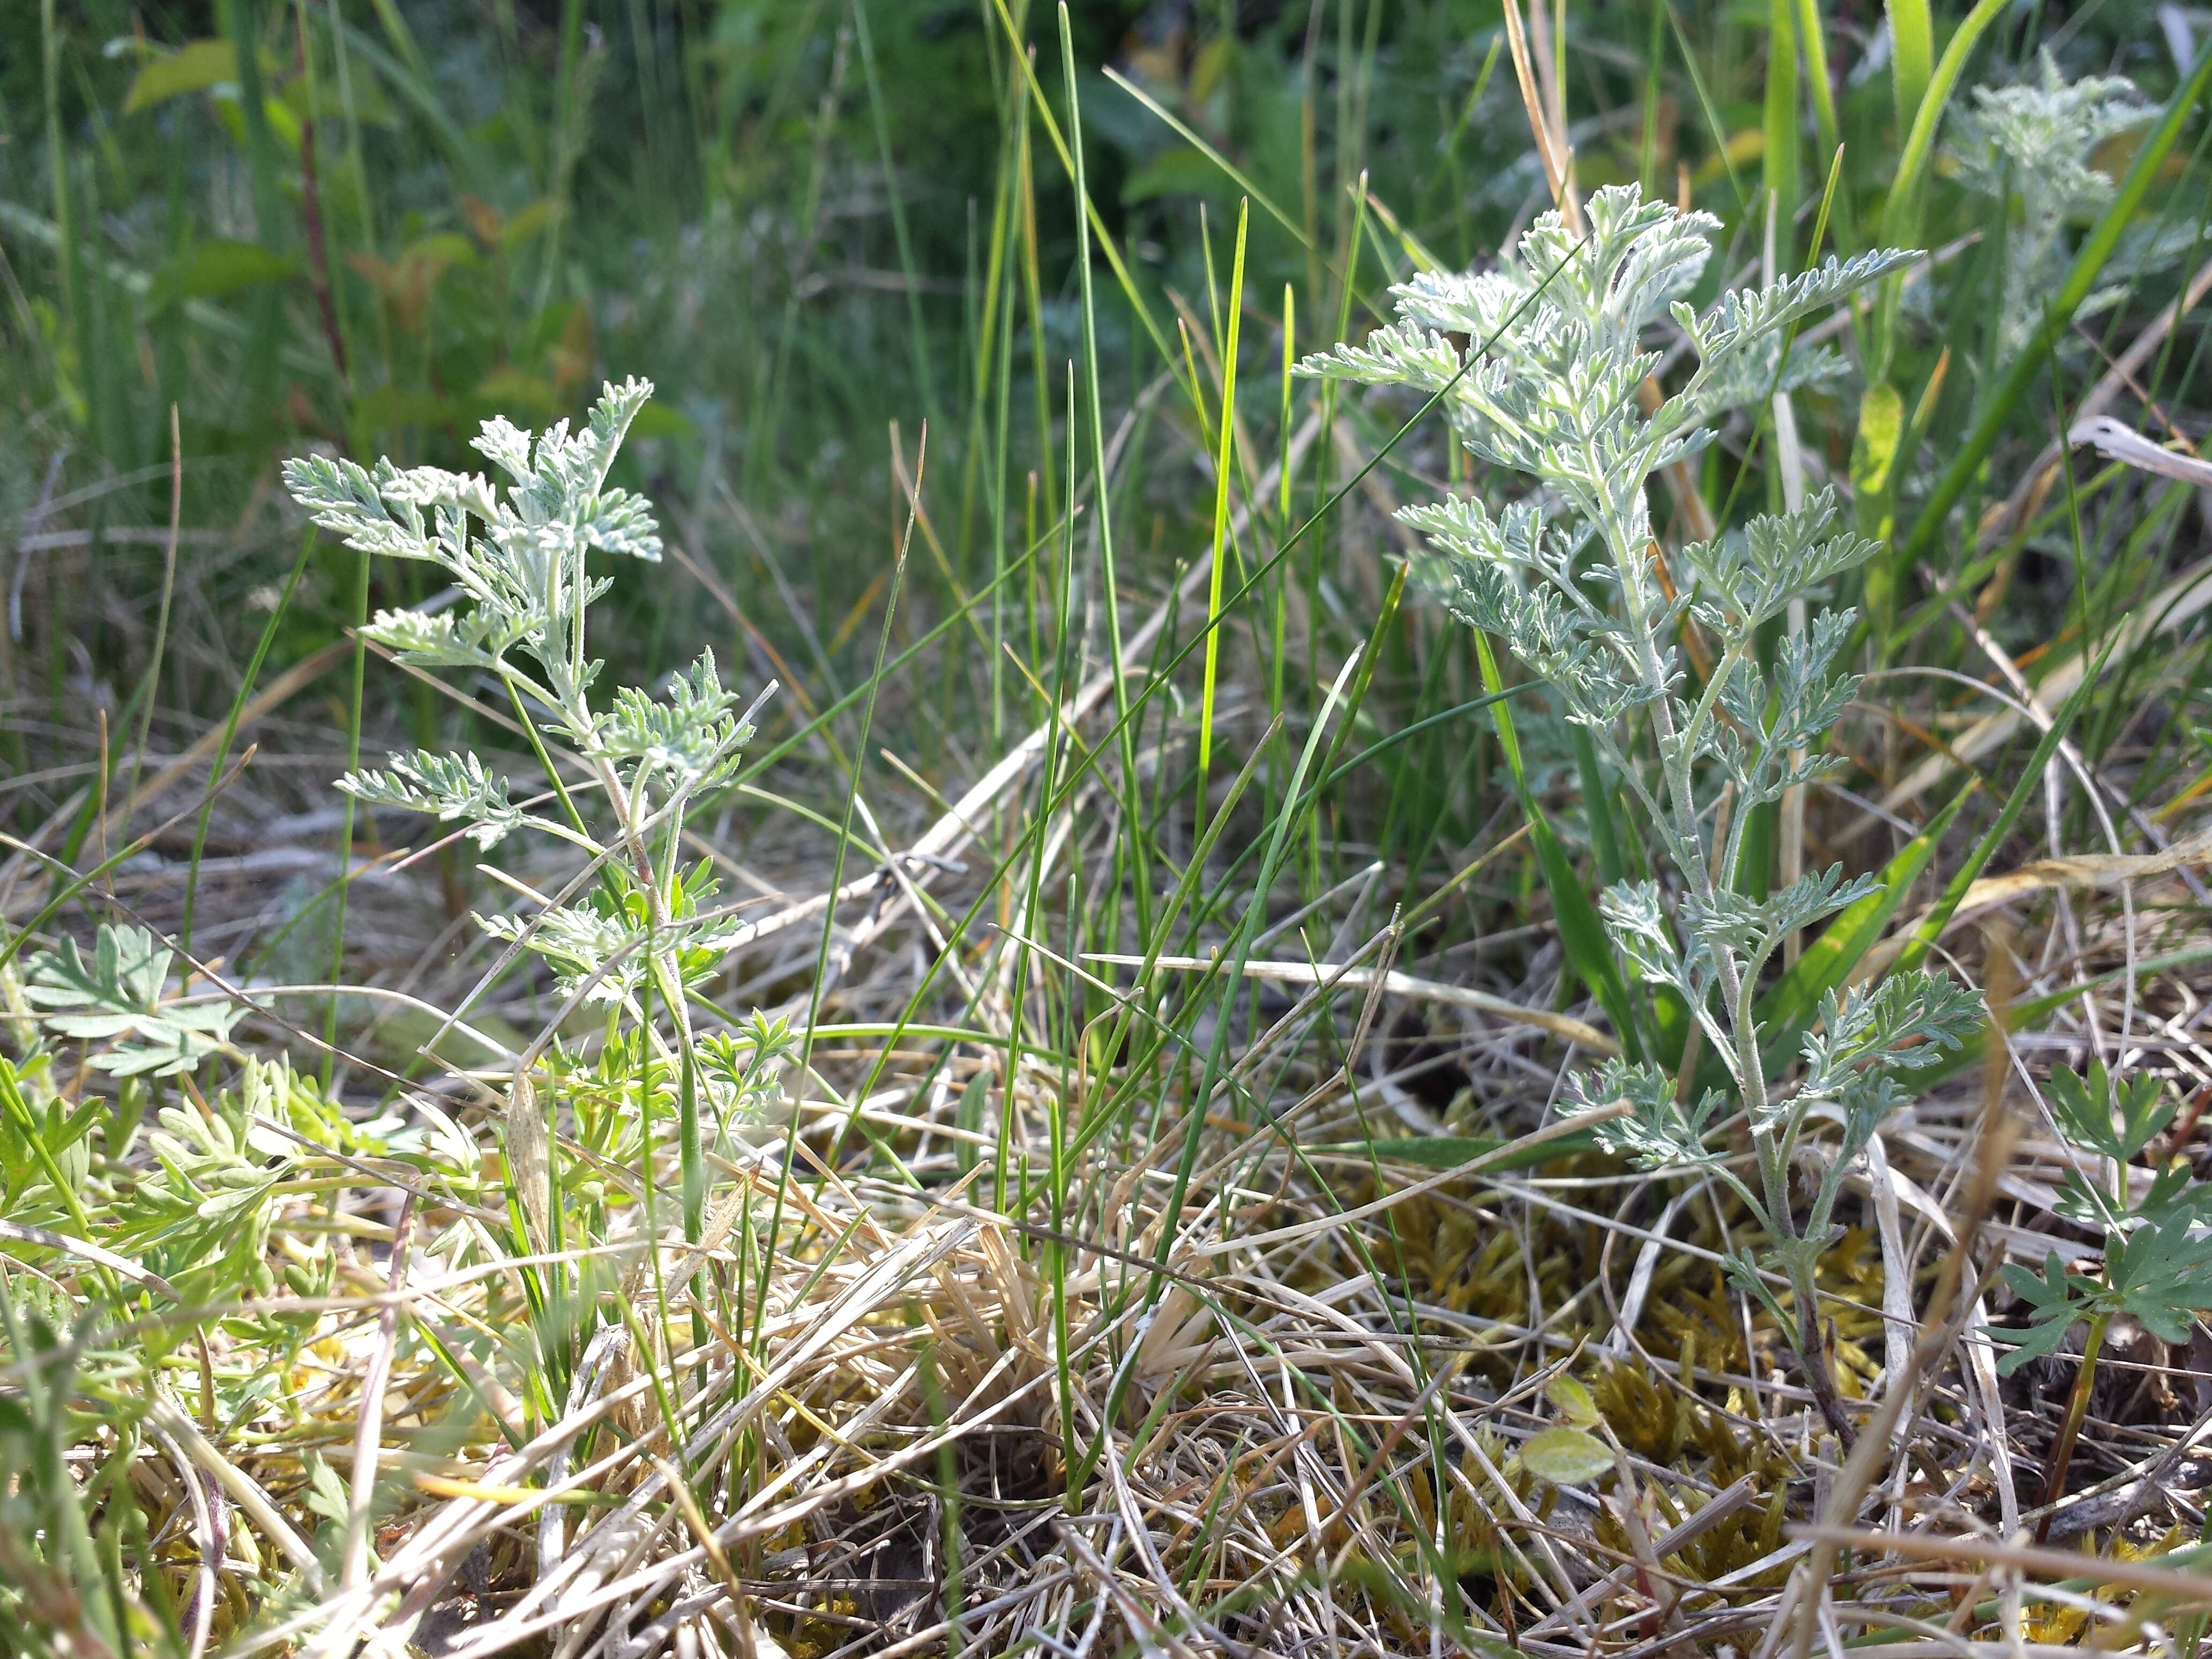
1221,474
1901,214
1912,55
1779,153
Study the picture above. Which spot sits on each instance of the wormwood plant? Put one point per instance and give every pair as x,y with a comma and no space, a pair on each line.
2036,142
1570,580
635,932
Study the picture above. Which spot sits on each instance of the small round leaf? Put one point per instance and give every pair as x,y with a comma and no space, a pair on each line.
1574,1403
1565,1457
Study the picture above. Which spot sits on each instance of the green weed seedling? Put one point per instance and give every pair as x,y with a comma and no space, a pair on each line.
116,1001
2157,1266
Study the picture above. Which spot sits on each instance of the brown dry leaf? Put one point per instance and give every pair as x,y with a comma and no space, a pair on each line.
2105,870
529,1159
2082,870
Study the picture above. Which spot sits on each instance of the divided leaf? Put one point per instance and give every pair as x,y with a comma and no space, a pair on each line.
1904,1023
2159,1276
518,557
1743,315
116,999
693,737
448,787
1658,1132
2085,1108
1746,578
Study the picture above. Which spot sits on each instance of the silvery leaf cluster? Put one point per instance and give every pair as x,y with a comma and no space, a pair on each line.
516,553
2035,143
516,557
1555,381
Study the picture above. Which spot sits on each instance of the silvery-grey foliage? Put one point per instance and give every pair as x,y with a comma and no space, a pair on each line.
1561,340
1553,390
2036,142
1659,1131
448,786
1882,1031
515,554
517,558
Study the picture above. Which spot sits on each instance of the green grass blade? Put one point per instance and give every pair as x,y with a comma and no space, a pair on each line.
1221,471
2031,779
1234,958
1597,808
1197,141
2028,1012
1094,224
1815,46
1095,411
1912,51
1901,215
277,613
1096,1122
1779,155
820,978
1714,126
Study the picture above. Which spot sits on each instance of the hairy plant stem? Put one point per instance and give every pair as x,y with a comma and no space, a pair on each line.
632,812
1737,986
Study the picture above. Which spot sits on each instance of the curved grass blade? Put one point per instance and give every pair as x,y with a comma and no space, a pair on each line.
2031,779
